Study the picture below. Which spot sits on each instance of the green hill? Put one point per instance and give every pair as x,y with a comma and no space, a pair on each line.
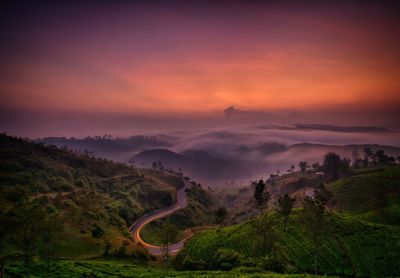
371,194
349,246
362,236
97,199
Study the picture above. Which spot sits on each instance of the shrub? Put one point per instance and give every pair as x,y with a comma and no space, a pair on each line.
193,264
226,259
121,252
97,232
273,263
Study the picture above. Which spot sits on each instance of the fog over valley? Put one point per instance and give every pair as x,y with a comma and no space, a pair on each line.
235,155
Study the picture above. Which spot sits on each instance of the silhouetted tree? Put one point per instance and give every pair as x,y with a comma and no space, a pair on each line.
331,165
220,215
322,194
168,235
7,227
285,206
367,156
303,166
381,158
344,168
315,166
261,195
51,229
314,220
30,221
357,161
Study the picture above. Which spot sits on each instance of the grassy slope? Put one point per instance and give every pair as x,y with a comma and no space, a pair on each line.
100,268
356,240
359,195
86,191
368,248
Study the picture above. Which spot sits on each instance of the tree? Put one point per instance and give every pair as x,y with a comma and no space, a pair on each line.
322,194
220,215
314,220
51,229
303,166
7,227
381,157
30,221
331,165
367,156
264,228
344,168
169,234
315,166
285,206
357,161
261,195
314,213
107,247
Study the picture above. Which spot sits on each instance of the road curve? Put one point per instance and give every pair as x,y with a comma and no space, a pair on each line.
136,227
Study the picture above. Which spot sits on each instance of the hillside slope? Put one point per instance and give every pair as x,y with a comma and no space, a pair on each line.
97,198
372,194
349,247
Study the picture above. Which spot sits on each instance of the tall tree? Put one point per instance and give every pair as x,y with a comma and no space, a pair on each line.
357,161
51,229
220,215
7,227
315,218
285,207
303,166
169,235
30,219
264,228
331,165
367,156
261,195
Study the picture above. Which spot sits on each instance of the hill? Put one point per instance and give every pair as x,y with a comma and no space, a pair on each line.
372,194
96,198
349,247
203,166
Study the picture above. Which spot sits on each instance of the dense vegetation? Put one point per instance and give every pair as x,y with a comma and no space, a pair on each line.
365,241
197,213
373,194
118,268
92,200
349,247
339,218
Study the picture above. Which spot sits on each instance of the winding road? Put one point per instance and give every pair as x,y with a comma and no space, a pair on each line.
136,227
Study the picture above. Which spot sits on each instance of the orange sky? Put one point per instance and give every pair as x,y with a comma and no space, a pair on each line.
182,58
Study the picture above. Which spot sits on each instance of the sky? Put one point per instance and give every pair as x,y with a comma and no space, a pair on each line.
65,62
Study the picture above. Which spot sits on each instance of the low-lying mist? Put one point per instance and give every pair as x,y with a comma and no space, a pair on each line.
236,155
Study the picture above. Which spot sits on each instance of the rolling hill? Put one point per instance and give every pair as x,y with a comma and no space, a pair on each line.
361,238
97,199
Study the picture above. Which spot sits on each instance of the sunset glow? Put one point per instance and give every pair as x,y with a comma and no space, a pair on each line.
193,57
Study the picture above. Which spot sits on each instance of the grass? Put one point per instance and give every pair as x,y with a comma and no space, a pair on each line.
363,195
88,192
124,268
349,246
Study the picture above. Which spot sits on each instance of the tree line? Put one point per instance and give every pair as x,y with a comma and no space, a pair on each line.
28,231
